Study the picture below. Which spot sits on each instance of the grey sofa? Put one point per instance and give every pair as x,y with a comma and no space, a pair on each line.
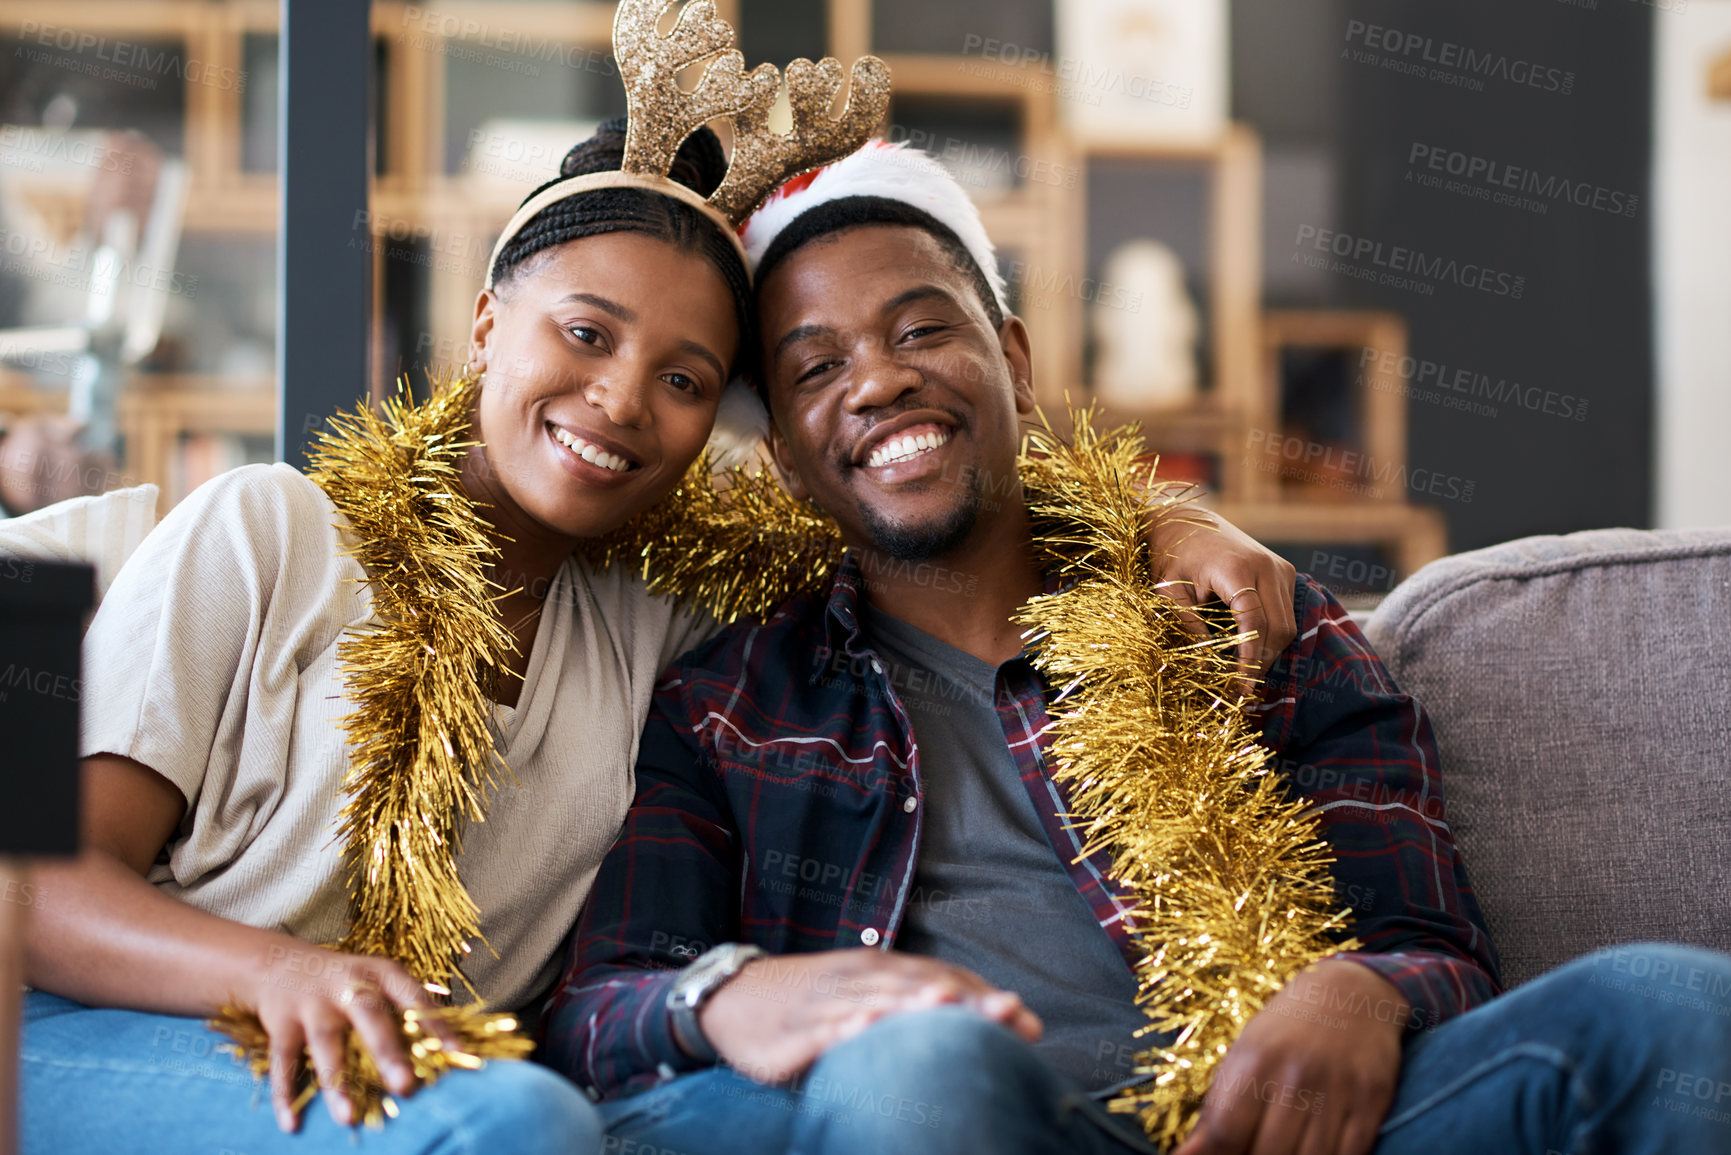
1580,687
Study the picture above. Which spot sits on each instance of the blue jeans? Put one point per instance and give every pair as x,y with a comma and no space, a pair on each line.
1625,1052
121,1081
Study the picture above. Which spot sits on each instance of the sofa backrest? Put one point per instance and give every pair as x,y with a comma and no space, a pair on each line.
1580,687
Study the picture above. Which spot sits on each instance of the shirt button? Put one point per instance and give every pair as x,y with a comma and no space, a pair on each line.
870,936
909,803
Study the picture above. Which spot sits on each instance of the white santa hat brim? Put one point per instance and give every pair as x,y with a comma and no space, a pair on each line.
741,424
892,172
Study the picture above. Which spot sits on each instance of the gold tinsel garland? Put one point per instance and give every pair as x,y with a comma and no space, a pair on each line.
480,1037
1159,751
738,545
421,757
1230,879
1150,733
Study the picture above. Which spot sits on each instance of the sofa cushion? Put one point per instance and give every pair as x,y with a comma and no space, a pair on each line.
1580,687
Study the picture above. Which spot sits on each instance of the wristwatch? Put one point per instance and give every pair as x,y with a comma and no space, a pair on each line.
695,986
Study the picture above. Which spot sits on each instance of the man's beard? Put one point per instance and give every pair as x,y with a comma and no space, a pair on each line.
937,538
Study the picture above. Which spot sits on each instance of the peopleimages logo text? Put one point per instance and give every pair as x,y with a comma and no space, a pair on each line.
140,59
1414,263
1495,174
1418,48
1299,459
1424,380
1076,77
538,45
32,148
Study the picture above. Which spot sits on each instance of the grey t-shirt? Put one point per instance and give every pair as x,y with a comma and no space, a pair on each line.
990,893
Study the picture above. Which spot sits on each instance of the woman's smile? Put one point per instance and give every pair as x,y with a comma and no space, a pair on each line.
591,458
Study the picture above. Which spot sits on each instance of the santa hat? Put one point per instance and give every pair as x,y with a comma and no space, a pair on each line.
879,170
883,171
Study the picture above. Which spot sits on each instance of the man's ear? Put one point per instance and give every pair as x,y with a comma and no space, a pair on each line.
778,449
481,332
1018,351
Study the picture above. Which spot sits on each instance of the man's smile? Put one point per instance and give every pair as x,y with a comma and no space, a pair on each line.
906,446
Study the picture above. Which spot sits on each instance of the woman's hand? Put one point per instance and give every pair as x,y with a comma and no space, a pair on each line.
309,997
106,937
1202,557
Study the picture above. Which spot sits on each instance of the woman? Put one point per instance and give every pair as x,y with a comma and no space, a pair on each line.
215,691
219,718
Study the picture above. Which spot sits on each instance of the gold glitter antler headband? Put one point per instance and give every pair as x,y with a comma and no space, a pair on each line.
763,159
662,115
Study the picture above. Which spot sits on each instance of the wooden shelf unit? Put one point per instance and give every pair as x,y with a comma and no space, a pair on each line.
1381,396
1415,535
1042,226
222,197
1233,165
156,411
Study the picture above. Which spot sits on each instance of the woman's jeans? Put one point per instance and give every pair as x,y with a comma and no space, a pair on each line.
117,1082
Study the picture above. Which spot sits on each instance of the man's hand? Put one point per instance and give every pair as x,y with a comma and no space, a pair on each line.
1201,557
778,1015
1312,1074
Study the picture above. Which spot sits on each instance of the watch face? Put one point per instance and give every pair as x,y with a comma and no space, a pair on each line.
702,977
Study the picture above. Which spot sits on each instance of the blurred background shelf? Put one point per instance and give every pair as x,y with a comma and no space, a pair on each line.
1407,537
474,105
475,102
177,430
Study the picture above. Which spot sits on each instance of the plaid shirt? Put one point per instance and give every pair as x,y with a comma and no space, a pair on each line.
779,803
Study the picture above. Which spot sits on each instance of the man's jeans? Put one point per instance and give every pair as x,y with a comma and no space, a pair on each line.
1625,1052
116,1082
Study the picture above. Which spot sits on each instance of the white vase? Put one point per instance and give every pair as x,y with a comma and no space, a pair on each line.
1145,330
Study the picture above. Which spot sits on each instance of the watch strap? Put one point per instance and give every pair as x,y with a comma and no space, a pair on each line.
688,1034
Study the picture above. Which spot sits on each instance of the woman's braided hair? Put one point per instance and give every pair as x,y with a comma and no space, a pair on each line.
700,165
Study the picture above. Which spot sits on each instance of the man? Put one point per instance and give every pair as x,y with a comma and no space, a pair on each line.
846,913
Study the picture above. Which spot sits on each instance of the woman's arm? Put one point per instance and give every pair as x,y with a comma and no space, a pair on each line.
1202,557
104,936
